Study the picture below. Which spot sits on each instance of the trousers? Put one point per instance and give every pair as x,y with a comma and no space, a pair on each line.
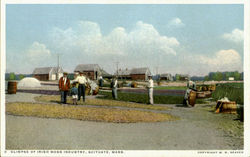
64,96
114,93
81,92
150,96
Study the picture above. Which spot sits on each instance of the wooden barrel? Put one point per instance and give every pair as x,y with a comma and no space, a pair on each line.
208,94
204,88
87,90
192,98
95,92
199,88
212,87
133,84
229,107
200,95
12,87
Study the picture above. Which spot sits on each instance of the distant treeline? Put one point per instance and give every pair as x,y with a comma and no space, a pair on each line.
221,76
216,76
13,76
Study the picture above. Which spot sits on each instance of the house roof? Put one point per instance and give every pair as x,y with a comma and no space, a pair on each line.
165,75
104,73
46,70
123,72
87,67
140,71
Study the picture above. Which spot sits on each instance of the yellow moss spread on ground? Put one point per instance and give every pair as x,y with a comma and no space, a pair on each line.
85,113
103,102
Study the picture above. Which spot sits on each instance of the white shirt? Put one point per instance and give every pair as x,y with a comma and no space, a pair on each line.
64,79
81,79
115,85
150,83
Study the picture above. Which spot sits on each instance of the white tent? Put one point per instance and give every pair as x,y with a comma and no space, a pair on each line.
29,82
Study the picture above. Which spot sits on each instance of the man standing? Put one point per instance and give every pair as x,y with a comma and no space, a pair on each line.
191,86
64,86
81,87
114,87
150,87
100,81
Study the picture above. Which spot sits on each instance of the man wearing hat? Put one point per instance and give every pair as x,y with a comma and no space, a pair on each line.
81,87
64,86
114,87
191,86
150,87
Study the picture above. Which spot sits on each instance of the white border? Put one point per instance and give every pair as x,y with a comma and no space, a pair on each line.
2,66
246,77
148,153
125,1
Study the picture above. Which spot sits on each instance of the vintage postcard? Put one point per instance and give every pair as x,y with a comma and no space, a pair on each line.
124,78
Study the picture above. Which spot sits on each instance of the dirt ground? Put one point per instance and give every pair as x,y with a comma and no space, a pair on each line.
198,129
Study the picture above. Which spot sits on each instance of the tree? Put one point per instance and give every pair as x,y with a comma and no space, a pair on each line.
218,76
21,76
236,75
12,76
177,77
206,78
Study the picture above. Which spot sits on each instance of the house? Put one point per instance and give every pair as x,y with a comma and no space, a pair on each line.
92,71
124,73
181,77
140,73
231,78
47,73
167,77
105,74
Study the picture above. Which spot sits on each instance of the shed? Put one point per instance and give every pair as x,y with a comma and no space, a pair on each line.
124,73
167,77
47,73
105,74
92,71
140,73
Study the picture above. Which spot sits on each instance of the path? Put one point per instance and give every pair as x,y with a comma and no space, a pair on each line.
193,131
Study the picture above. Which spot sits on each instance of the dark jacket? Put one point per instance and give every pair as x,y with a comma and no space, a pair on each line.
63,87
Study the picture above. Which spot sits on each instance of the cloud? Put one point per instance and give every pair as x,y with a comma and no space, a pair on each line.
236,36
224,60
87,37
37,54
176,22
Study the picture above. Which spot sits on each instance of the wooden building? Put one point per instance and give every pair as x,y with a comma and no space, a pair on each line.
140,73
92,71
124,74
47,73
166,77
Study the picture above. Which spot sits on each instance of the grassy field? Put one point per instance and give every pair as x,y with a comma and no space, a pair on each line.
233,91
101,102
143,98
85,113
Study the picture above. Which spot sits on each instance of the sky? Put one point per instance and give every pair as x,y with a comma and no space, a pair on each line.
167,38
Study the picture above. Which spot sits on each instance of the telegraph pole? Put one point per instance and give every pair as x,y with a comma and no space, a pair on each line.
117,68
58,64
